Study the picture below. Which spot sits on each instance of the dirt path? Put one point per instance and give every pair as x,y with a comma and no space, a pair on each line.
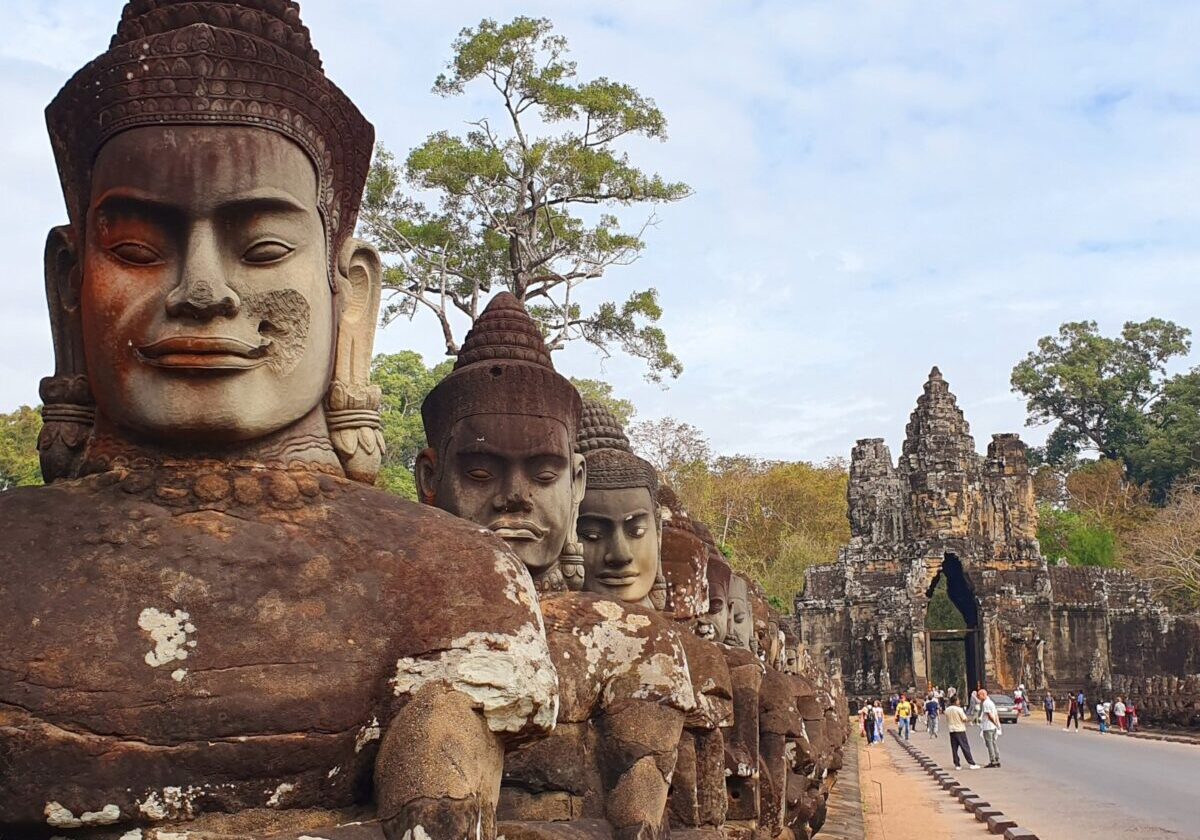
913,806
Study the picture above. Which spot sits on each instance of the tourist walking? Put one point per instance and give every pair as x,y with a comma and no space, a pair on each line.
1019,699
862,722
904,717
1119,713
989,724
1102,717
1048,705
877,714
914,714
932,708
956,725
1131,715
1074,713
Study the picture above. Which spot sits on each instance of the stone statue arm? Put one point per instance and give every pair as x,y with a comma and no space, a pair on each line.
638,744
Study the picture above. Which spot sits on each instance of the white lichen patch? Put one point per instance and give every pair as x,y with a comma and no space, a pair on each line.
508,676
281,791
169,632
60,817
610,610
171,802
178,674
367,734
333,772
518,584
665,677
171,835
416,833
133,834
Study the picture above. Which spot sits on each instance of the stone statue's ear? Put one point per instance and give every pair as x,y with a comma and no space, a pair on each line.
426,476
68,409
578,479
570,559
353,403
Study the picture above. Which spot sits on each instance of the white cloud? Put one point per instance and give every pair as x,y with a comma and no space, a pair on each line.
879,188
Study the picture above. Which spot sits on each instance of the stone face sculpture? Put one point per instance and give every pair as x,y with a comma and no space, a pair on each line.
741,618
211,626
502,430
622,494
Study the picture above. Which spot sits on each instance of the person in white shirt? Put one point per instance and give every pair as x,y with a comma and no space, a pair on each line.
989,725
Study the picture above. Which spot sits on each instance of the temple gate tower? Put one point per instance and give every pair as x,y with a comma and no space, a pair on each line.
943,519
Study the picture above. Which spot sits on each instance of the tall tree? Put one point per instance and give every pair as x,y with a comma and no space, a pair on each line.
405,381
1098,390
18,448
509,195
1171,449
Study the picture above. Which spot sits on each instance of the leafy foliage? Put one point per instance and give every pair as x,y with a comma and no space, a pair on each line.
405,381
601,392
1104,394
505,213
19,431
1075,539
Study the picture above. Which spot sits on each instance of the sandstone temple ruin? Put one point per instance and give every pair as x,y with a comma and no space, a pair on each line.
946,512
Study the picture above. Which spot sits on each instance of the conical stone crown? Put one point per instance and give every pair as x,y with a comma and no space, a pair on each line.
600,429
504,330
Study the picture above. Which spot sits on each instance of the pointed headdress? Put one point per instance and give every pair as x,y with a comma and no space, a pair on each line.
502,368
611,463
214,62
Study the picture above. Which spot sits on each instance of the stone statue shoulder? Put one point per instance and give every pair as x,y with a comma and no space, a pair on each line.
606,652
250,631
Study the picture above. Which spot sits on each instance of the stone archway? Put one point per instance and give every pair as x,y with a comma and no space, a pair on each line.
954,645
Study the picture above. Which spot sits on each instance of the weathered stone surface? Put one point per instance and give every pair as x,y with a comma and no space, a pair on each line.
945,510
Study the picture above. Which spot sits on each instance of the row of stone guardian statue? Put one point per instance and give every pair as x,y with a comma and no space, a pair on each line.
215,627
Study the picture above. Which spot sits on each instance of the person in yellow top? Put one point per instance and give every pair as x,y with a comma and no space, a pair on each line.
904,716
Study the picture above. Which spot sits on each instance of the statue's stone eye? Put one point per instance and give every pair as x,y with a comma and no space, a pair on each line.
479,474
136,253
267,252
547,475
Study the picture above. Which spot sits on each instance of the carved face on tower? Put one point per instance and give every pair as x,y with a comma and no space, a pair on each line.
741,619
501,430
206,308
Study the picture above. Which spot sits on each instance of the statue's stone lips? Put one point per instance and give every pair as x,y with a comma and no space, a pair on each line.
617,578
207,352
517,529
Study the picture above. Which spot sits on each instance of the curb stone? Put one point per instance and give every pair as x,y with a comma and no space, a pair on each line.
996,821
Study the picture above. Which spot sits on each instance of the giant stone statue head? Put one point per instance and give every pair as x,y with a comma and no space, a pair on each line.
618,523
207,292
501,430
740,631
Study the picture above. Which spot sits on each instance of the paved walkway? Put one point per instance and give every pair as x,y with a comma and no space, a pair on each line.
901,802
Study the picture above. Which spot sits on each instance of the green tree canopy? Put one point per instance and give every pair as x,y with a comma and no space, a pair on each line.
405,381
1113,395
499,206
18,448
1075,539
599,391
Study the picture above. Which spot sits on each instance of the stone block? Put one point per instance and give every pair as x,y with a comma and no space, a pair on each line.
1019,833
998,824
984,814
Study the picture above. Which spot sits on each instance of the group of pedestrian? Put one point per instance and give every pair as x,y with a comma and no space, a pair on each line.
1107,714
870,722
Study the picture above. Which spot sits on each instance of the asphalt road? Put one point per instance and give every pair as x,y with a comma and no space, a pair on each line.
1068,786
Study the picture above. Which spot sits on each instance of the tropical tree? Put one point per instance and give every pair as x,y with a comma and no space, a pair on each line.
512,205
405,381
18,448
601,392
1098,390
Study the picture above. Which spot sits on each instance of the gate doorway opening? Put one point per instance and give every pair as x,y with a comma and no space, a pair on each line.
955,653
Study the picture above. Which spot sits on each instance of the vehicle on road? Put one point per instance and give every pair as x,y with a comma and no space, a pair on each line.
1006,708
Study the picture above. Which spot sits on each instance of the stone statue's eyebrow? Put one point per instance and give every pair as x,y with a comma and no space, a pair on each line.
135,202
636,513
263,201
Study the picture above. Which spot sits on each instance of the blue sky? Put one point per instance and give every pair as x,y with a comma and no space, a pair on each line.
879,187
